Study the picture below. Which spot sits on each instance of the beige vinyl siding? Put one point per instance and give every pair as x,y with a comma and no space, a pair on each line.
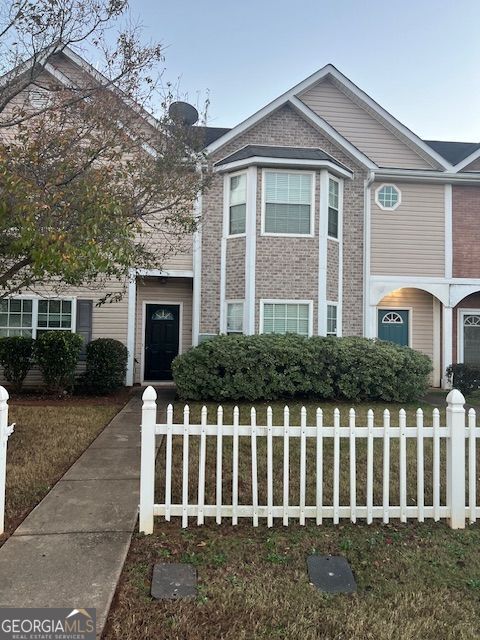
410,239
108,321
421,320
361,128
174,290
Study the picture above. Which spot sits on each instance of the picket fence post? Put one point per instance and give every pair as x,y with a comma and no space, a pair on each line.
5,432
147,462
456,459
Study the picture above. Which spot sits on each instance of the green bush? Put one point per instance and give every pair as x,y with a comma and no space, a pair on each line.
106,365
465,377
269,367
57,354
16,354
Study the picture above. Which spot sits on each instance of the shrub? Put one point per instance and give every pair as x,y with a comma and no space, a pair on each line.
16,354
57,355
106,365
465,377
268,367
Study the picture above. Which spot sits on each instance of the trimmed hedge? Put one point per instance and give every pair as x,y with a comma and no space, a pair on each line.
106,365
465,377
269,367
57,354
16,353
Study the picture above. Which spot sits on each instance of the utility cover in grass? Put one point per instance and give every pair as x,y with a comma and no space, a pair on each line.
331,574
173,581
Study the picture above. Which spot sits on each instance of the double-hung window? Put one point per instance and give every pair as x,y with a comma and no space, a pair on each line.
234,317
16,317
237,206
288,203
31,316
333,207
331,319
286,317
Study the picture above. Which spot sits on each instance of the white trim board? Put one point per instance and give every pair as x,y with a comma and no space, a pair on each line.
294,163
460,338
330,71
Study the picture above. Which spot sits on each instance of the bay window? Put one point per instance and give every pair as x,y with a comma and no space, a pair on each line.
288,203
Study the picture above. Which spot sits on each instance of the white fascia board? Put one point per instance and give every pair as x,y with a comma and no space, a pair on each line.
332,133
285,162
269,108
169,273
104,81
468,160
383,113
420,175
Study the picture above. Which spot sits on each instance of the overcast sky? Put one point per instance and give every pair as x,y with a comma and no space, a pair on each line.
418,58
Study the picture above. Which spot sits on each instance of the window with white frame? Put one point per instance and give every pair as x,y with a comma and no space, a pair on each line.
331,319
237,204
31,316
54,315
286,317
234,317
16,318
388,197
471,338
288,202
333,207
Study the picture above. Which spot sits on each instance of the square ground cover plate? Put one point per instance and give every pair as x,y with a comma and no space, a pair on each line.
172,581
331,574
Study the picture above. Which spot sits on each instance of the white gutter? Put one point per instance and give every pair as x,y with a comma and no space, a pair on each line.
414,175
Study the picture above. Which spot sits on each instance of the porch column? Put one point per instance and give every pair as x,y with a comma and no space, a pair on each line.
447,342
132,303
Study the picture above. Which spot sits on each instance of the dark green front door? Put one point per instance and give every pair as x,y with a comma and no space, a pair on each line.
162,333
393,325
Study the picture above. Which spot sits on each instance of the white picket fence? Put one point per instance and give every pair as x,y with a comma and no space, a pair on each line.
458,437
6,431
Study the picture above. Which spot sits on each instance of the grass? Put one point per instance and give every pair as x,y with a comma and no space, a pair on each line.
414,580
45,443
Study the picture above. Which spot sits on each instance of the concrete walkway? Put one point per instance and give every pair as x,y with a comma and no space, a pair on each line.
70,550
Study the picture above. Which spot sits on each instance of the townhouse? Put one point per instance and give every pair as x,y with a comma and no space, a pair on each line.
325,216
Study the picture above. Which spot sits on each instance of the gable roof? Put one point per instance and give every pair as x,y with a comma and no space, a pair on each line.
453,152
330,71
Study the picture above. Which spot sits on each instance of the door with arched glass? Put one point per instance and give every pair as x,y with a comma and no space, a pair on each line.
470,338
393,325
162,340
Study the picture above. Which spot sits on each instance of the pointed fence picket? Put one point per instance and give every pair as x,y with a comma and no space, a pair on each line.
458,439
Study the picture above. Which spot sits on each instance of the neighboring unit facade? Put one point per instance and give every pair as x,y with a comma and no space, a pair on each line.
325,216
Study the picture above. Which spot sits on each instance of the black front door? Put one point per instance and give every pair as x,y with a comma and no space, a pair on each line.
162,331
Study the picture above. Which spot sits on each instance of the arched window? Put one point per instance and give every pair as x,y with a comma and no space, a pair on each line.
471,321
392,318
162,314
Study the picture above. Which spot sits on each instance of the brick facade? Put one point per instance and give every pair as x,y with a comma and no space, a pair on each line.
286,268
466,231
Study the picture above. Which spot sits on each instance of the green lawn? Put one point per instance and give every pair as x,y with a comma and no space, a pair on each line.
415,581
